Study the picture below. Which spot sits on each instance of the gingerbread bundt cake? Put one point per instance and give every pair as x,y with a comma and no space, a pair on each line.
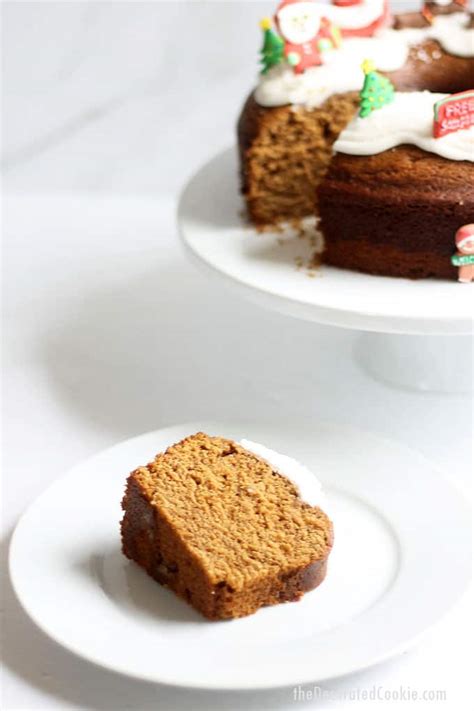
290,124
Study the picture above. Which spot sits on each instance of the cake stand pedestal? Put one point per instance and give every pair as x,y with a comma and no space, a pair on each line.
417,332
441,364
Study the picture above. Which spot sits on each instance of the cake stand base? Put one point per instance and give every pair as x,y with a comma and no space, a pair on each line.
442,364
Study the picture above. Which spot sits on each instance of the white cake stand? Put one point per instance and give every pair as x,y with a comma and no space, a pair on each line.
417,333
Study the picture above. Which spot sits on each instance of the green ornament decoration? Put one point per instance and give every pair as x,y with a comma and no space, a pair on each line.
271,53
376,92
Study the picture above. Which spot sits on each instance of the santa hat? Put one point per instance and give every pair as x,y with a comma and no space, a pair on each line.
464,234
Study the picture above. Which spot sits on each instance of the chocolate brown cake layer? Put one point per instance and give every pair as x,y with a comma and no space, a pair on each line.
395,213
285,150
222,529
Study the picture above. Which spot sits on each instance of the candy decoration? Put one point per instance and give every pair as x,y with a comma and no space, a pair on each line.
307,34
454,113
464,257
271,53
376,92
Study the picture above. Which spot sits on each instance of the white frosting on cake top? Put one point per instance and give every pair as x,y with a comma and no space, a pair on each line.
342,71
307,484
407,119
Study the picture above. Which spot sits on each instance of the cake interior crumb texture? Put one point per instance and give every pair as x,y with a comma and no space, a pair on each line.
284,153
227,533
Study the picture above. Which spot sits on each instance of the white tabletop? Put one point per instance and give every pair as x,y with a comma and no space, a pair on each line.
110,332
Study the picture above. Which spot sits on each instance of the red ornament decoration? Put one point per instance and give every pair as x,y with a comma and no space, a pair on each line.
454,113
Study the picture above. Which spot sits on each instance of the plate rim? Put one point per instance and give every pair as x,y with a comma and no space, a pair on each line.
252,684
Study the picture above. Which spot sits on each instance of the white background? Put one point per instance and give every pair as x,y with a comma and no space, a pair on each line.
108,331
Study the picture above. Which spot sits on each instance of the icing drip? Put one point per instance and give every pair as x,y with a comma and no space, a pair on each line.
341,70
408,119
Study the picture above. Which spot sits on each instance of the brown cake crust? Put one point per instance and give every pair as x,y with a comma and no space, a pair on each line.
284,151
395,213
156,542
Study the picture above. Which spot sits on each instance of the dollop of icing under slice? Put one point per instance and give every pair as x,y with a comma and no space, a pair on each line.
305,481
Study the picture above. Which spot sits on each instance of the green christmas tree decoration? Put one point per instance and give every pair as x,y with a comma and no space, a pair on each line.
271,53
376,92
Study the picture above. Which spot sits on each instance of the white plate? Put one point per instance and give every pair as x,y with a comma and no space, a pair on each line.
262,268
400,560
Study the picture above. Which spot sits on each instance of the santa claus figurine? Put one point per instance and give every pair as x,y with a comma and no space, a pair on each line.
360,18
306,33
464,257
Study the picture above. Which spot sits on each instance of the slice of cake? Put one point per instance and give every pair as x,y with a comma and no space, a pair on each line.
224,527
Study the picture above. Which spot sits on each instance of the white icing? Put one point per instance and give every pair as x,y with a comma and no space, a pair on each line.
342,71
307,484
407,119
